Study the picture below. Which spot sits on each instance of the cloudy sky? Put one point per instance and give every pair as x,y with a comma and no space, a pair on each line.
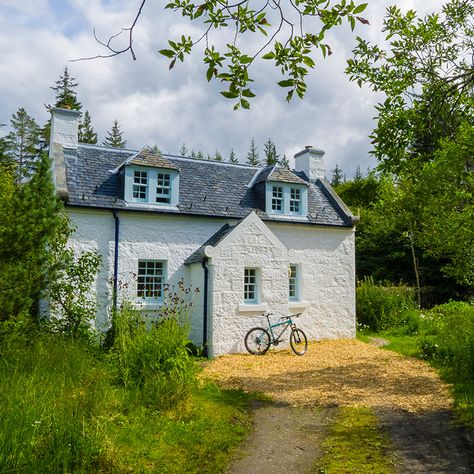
155,106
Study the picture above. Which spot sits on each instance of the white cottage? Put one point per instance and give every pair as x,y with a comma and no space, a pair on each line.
251,239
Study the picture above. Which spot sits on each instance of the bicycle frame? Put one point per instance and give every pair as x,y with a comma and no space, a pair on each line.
276,339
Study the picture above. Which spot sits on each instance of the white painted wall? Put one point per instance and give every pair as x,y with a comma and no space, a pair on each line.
325,256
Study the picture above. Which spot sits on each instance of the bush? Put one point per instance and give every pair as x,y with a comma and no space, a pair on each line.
447,337
384,307
52,391
153,356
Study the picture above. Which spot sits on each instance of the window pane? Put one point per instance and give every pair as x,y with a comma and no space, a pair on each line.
277,198
163,188
293,282
140,183
295,200
250,285
150,279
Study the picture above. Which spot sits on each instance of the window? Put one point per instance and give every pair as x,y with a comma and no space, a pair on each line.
277,198
250,285
151,276
286,199
154,186
163,188
293,283
295,200
140,184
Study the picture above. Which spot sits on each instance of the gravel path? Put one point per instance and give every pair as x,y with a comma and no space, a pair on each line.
413,405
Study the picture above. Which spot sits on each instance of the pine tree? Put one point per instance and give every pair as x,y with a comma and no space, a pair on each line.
22,144
155,149
337,176
358,174
232,157
270,153
183,151
114,137
218,156
7,163
200,155
65,92
252,155
284,162
86,131
30,222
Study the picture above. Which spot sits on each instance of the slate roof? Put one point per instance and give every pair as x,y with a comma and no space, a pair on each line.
147,157
206,188
279,174
198,255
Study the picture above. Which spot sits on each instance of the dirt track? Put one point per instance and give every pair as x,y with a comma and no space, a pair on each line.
412,404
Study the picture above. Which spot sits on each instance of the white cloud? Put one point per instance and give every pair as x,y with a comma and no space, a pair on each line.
156,106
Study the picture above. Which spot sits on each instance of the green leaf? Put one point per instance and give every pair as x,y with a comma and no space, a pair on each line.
167,52
360,8
269,55
230,95
245,104
246,59
248,93
287,83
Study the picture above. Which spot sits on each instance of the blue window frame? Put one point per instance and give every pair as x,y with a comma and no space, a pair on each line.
149,185
286,199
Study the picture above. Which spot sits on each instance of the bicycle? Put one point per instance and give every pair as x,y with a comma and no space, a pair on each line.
257,340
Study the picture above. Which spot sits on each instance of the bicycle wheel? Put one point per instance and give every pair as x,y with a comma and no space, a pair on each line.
298,342
257,341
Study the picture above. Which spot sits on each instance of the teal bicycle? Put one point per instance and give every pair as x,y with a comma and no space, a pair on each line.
258,340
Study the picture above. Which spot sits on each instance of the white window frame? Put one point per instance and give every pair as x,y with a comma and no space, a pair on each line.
141,185
152,186
286,202
296,280
157,279
256,285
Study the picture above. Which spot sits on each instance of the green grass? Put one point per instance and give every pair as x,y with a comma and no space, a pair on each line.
62,410
355,443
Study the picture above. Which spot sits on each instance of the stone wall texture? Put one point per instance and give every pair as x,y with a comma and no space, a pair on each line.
324,255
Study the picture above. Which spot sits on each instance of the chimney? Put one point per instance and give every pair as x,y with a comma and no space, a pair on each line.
310,161
64,128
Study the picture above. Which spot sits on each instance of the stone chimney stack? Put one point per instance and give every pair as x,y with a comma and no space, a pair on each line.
64,127
310,161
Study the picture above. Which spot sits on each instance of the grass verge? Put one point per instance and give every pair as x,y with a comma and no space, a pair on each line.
355,443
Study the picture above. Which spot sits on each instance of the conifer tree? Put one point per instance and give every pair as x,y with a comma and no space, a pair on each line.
200,155
156,149
65,94
183,151
232,157
252,155
271,156
86,131
22,144
218,156
114,137
337,176
284,162
358,174
30,222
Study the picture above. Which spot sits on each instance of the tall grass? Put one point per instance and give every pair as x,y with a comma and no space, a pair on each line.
382,307
152,357
52,391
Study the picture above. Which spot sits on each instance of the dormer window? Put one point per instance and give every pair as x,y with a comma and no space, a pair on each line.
286,199
277,198
163,188
295,200
155,186
140,184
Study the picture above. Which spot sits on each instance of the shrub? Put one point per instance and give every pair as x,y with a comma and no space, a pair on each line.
152,355
447,336
384,307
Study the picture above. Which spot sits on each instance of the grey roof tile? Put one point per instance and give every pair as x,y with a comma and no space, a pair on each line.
207,188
